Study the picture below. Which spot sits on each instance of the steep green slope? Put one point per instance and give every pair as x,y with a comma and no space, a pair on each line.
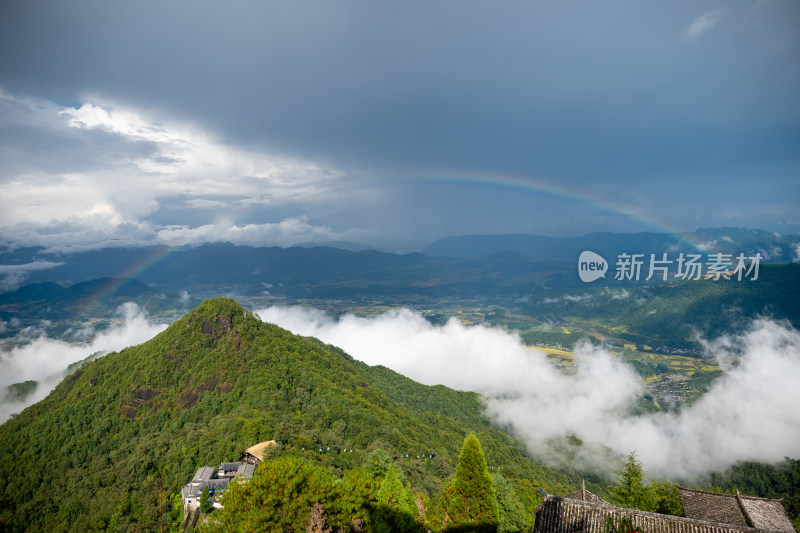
129,429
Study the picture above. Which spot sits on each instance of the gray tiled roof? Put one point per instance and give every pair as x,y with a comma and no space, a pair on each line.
561,515
712,506
216,484
750,511
584,495
246,470
206,476
767,514
191,491
204,473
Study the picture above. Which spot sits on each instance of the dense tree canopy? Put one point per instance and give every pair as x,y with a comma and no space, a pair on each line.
510,511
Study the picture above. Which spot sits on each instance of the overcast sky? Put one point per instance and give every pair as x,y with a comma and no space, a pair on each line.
394,123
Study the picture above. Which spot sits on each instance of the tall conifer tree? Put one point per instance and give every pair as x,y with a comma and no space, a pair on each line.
631,490
474,500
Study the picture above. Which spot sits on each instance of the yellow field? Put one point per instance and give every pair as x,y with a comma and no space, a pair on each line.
679,363
555,352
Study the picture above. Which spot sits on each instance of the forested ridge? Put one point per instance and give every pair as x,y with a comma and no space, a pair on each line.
117,439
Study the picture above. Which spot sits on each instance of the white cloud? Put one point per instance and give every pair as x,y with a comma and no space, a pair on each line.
44,359
621,295
14,275
702,24
707,246
567,298
187,160
28,267
404,341
204,203
749,413
114,169
772,253
86,233
616,294
285,233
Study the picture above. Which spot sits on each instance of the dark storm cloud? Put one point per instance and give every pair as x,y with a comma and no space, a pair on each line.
636,102
401,79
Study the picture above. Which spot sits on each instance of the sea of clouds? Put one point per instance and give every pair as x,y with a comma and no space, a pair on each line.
749,413
43,359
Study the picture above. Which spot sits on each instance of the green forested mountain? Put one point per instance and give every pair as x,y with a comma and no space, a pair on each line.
111,446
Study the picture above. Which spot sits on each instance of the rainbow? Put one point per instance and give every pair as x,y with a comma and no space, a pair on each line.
527,184
537,186
151,259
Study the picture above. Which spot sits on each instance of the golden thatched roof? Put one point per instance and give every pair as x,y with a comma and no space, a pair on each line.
258,450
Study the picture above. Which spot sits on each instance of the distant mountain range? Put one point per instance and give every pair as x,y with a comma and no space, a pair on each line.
93,298
454,266
344,245
774,248
218,264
